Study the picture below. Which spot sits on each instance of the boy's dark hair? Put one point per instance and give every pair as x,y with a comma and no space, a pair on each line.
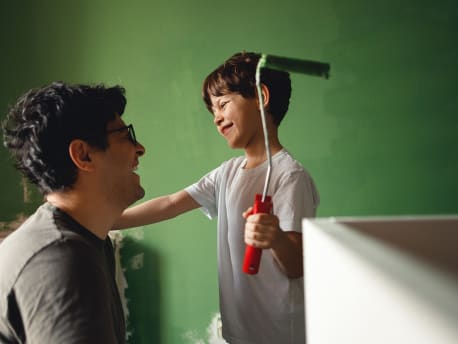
238,75
40,126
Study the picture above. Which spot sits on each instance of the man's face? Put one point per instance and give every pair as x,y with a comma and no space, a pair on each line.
118,164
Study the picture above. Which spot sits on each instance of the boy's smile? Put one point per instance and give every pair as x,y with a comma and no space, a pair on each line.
224,130
237,119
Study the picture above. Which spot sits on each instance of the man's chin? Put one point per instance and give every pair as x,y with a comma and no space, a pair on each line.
138,196
140,193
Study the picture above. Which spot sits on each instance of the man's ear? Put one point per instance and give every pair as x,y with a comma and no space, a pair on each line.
80,153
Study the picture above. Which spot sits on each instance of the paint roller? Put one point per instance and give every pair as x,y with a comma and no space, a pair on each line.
263,202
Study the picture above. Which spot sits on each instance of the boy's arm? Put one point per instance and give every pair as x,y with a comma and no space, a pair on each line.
263,231
288,253
156,209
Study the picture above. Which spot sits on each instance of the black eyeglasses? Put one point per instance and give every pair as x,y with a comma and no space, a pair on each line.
130,129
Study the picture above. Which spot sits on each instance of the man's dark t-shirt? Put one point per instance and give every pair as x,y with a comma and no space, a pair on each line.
57,284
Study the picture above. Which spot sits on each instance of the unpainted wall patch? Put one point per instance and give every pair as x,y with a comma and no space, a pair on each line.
214,333
136,262
121,281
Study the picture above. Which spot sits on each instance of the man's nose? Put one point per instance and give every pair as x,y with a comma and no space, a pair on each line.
140,149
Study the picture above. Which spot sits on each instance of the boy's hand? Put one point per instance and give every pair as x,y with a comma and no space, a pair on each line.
262,230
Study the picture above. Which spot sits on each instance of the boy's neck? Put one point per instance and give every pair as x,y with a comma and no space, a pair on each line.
255,151
256,156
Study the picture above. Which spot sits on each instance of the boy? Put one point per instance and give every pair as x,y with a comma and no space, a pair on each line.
267,307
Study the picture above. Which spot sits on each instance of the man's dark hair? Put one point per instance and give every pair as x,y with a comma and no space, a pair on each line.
238,75
40,126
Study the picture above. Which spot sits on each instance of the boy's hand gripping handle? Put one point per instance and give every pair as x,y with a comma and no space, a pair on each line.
253,254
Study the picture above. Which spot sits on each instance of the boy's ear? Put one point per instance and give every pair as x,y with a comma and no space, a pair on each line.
265,95
80,153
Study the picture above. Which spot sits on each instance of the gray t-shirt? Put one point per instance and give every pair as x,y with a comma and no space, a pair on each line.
267,307
57,284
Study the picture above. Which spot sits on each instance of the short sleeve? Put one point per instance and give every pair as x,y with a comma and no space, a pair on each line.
295,198
206,192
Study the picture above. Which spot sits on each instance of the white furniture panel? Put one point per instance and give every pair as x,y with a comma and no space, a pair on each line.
381,280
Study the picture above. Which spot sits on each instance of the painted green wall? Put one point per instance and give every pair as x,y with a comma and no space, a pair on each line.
379,136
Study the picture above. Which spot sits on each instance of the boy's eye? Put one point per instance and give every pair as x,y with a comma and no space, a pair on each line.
223,104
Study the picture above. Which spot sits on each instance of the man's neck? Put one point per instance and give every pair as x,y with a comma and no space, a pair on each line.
96,217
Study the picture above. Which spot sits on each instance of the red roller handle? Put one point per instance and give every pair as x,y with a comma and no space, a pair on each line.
253,254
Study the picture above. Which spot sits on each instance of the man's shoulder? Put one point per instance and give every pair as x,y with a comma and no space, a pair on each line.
21,245
38,238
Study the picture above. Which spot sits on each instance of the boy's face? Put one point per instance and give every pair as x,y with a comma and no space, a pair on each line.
237,119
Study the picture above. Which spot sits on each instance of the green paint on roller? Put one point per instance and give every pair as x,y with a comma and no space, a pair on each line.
294,65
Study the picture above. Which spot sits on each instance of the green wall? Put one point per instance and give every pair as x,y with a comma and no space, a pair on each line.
379,136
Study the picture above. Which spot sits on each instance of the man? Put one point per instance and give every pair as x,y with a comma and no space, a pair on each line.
57,280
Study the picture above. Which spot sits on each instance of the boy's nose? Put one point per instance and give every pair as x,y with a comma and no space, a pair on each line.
217,119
